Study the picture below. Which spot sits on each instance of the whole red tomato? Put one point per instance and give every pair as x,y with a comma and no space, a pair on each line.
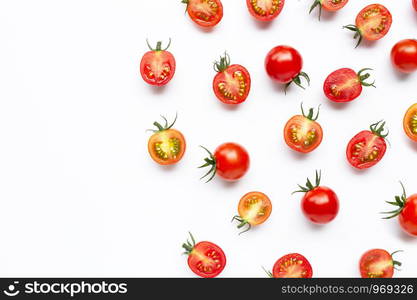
230,161
283,64
415,4
404,55
406,210
320,204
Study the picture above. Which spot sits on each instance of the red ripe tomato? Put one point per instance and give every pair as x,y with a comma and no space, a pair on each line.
230,161
372,23
205,13
368,147
265,10
157,66
410,122
329,5
283,64
292,265
320,204
345,85
205,259
377,263
404,56
406,210
415,4
232,83
302,133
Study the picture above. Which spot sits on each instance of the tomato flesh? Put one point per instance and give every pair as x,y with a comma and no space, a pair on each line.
410,122
376,263
374,21
404,56
292,265
232,161
167,147
255,208
283,64
342,85
408,216
207,260
365,149
265,10
157,67
206,13
302,135
333,5
232,85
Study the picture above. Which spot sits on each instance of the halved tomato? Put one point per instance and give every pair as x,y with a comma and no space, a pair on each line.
206,13
329,5
377,263
254,209
410,122
265,10
302,133
292,265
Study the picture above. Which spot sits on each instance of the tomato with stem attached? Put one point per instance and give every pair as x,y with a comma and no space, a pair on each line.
404,56
205,259
329,5
254,209
232,83
302,133
320,204
292,265
283,64
406,210
157,66
410,122
368,147
167,145
345,85
205,13
265,10
378,263
372,23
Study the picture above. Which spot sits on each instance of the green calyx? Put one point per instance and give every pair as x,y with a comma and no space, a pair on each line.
396,263
309,186
315,4
378,129
310,114
399,203
241,224
297,81
223,64
363,77
269,273
209,162
158,46
189,246
166,126
358,33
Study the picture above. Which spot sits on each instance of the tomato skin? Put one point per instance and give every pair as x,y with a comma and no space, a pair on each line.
408,216
331,6
157,62
263,15
214,6
415,4
320,205
366,17
264,208
376,263
410,122
283,64
404,56
370,141
312,130
211,252
174,138
235,77
297,267
232,161
342,85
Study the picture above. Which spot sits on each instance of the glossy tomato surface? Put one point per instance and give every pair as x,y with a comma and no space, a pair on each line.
408,216
292,265
207,260
167,147
333,5
255,208
342,85
404,56
232,85
376,263
302,134
410,122
265,10
206,13
374,21
283,63
415,4
320,205
232,161
365,149
157,67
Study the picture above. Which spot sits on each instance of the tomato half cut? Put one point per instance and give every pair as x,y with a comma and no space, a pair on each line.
265,10
292,265
329,5
205,13
377,263
205,259
410,122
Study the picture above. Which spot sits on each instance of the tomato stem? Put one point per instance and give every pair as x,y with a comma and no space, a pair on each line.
166,125
396,262
378,127
315,4
223,64
358,33
310,115
158,46
189,246
297,81
365,76
242,224
269,273
399,202
309,186
209,161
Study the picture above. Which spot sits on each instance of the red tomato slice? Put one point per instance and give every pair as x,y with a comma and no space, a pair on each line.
292,265
374,21
410,122
265,10
206,13
376,263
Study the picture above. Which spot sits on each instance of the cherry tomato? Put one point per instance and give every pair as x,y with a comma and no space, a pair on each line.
302,133
265,10
372,23
157,66
329,5
283,64
415,4
345,85
205,13
292,265
254,209
205,259
404,56
410,122
320,204
232,83
377,263
368,147
406,210
230,161
166,146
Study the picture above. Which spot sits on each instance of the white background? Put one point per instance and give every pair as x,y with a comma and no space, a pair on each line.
79,195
